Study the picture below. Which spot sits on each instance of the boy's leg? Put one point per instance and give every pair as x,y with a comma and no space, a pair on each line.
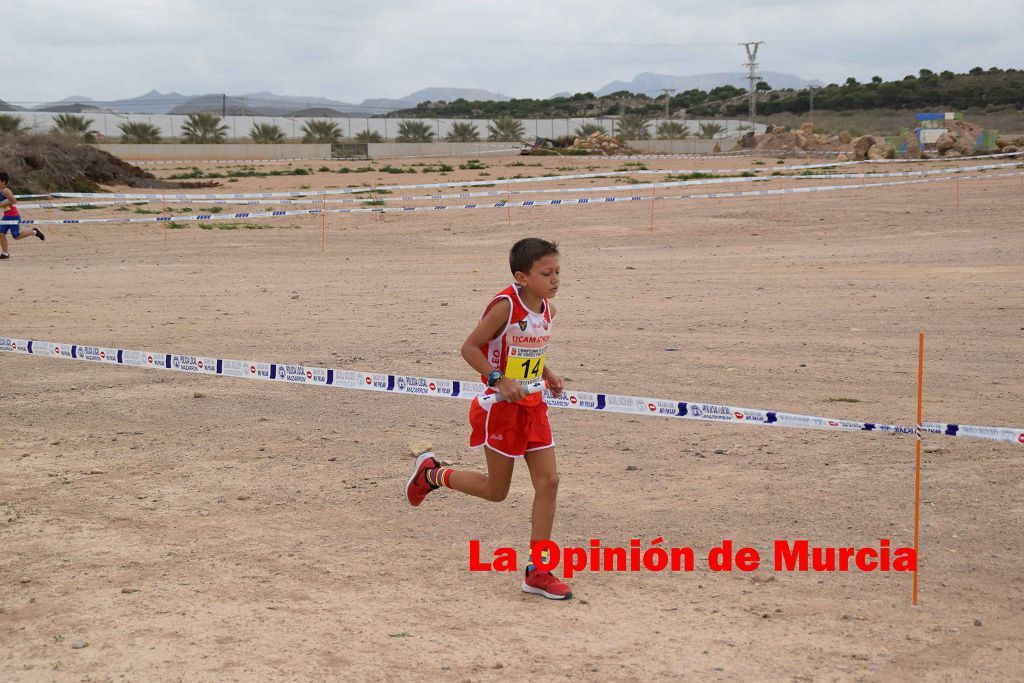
428,475
492,486
33,232
3,242
544,474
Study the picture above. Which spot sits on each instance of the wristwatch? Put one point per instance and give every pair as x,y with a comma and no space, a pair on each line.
493,378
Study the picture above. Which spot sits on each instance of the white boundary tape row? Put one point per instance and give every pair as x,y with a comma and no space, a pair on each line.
426,386
557,190
468,183
501,205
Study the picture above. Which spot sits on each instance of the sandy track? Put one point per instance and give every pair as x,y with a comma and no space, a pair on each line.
257,556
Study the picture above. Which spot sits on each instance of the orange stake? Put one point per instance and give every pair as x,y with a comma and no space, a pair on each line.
957,183
323,224
917,470
654,197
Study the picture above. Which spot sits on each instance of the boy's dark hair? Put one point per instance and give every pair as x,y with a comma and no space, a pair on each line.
528,251
4,177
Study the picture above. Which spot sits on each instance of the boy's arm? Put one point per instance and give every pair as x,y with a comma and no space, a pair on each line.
555,384
488,328
7,198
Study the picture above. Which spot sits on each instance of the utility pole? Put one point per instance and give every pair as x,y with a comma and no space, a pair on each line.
668,98
224,105
752,76
810,116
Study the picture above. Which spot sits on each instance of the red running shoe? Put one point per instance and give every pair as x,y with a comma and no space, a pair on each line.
546,584
417,488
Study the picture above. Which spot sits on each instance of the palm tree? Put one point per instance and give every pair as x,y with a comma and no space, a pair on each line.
321,132
11,125
633,127
204,127
369,136
266,134
672,130
463,132
414,131
588,129
138,133
505,129
74,126
710,130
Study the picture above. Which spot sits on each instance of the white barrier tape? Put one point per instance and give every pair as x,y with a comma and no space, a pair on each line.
501,205
903,174
407,198
418,186
426,386
558,190
1000,155
733,154
530,388
471,183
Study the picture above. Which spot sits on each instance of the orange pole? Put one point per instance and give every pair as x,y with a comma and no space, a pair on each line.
917,469
654,197
508,198
323,223
957,183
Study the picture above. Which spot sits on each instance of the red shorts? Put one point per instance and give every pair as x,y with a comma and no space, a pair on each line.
512,429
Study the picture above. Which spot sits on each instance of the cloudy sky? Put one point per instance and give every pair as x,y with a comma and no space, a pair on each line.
111,49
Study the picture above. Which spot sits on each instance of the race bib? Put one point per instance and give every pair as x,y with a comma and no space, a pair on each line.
524,364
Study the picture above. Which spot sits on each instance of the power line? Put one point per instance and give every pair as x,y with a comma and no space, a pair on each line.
752,75
668,98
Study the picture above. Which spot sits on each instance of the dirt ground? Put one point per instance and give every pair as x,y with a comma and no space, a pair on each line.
220,530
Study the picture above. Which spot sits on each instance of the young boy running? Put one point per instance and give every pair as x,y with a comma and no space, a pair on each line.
507,348
11,220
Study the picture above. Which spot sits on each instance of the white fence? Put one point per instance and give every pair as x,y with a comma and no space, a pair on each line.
225,152
107,125
380,150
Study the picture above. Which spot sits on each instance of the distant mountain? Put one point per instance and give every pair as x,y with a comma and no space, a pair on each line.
75,99
261,103
73,108
381,105
565,93
8,107
317,112
258,104
449,94
153,102
650,84
76,104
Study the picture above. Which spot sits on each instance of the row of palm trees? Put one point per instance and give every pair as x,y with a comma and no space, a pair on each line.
209,128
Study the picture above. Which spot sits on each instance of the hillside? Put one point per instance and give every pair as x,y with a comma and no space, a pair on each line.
650,84
928,90
994,88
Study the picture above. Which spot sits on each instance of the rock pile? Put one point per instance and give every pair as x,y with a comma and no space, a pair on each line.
599,143
959,139
1010,144
804,139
